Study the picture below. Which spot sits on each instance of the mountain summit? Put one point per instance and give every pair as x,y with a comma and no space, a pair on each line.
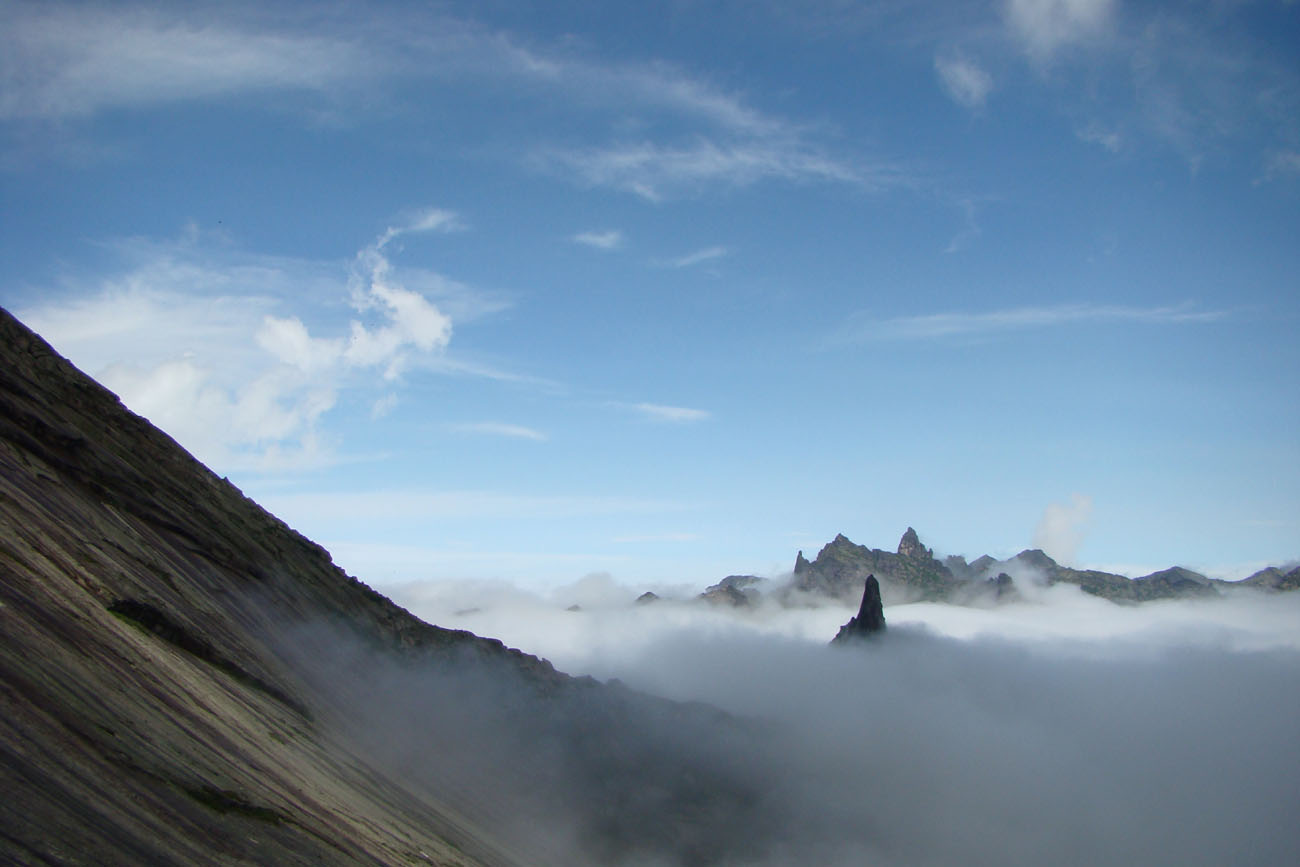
870,620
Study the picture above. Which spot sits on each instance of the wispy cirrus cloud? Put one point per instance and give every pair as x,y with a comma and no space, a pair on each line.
706,254
607,239
67,61
673,414
70,61
1045,26
1282,165
963,80
655,170
934,326
498,429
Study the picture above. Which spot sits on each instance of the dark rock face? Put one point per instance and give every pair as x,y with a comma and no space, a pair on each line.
647,597
870,620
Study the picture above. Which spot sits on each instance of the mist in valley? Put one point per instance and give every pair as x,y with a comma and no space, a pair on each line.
1060,729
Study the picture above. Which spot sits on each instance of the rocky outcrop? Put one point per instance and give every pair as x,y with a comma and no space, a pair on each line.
910,546
738,591
1274,579
647,597
841,568
912,573
870,619
1004,589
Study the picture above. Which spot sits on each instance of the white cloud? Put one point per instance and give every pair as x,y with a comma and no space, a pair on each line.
1283,164
1095,133
609,239
969,231
383,406
287,339
428,220
653,171
1060,530
940,325
963,80
193,339
675,414
492,428
706,254
1046,25
77,62
1019,744
65,61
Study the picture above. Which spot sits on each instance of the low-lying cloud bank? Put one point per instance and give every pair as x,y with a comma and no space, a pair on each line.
1063,730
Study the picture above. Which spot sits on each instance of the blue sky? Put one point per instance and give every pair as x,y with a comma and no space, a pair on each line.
669,291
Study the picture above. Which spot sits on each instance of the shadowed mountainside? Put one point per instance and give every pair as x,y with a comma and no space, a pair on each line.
185,679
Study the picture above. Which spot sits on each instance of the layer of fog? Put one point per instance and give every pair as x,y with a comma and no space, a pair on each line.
1063,729
593,626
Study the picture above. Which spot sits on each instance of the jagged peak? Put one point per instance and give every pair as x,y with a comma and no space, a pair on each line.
1037,558
1176,573
910,545
870,620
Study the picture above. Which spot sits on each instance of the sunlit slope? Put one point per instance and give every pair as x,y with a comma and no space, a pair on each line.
145,715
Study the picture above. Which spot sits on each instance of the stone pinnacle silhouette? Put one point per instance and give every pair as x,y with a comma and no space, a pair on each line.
871,616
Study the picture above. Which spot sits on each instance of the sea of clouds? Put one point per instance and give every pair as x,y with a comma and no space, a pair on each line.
1060,729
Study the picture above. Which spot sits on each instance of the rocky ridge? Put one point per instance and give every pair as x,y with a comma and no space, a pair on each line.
912,573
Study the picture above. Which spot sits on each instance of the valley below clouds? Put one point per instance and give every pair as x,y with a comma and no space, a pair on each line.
1064,729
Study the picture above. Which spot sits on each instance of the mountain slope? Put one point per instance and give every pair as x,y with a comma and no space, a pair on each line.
146,714
184,679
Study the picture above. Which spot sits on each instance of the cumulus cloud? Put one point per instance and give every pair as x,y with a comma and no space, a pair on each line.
964,81
195,340
1060,530
1044,26
609,239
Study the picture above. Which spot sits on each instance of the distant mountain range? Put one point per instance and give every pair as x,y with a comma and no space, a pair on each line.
913,574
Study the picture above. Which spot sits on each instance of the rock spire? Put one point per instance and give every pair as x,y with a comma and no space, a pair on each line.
871,616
